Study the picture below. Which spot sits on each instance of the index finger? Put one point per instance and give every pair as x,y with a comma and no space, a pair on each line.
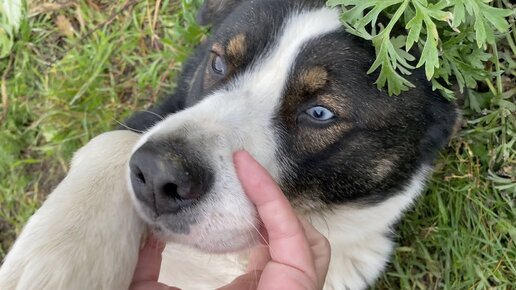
149,260
287,240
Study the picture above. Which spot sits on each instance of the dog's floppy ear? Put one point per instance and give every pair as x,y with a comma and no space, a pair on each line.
212,11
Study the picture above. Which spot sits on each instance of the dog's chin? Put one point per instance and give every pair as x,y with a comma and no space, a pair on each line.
214,233
219,242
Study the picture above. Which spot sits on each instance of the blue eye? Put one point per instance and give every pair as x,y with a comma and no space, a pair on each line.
218,65
320,113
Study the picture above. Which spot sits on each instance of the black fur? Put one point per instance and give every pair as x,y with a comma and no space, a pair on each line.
403,132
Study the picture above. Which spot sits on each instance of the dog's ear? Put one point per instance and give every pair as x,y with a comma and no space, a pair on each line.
213,11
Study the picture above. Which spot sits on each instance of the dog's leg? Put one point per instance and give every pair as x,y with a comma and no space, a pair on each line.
87,234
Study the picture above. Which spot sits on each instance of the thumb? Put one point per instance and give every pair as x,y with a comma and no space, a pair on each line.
248,281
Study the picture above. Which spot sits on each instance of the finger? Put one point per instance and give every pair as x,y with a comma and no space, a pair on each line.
248,281
151,285
258,258
315,238
288,244
149,260
321,250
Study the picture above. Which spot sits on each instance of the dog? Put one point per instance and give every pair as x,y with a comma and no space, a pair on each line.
282,80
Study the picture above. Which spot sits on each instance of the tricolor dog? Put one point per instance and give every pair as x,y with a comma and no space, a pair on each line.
282,80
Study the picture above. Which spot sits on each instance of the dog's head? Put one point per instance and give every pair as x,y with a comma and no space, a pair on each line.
284,81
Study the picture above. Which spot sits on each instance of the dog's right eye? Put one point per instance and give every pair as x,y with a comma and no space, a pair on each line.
218,65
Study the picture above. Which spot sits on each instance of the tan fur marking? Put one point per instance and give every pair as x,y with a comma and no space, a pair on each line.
218,49
384,167
237,47
313,79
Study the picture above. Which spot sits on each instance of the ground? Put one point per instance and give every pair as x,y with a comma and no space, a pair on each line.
79,67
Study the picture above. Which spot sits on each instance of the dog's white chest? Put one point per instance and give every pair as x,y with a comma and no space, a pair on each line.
190,269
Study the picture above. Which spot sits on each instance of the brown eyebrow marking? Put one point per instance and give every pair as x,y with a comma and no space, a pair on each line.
218,49
237,47
313,79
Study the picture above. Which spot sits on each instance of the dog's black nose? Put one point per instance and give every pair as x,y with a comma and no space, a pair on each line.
161,178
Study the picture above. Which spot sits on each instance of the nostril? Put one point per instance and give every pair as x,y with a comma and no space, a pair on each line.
170,190
139,175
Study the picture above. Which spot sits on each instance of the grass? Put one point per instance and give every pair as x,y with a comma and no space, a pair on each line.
79,67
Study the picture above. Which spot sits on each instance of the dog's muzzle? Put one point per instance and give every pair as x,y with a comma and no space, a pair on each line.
168,176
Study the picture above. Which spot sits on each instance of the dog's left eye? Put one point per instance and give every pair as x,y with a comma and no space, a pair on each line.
320,113
218,65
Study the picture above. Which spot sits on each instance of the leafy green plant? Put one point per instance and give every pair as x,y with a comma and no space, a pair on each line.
11,12
453,36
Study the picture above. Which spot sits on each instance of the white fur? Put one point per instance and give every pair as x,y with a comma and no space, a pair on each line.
238,117
360,248
87,234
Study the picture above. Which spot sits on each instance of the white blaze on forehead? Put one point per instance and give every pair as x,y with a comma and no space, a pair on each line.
271,73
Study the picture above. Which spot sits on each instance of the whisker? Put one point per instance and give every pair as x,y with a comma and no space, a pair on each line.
127,127
255,275
155,114
258,231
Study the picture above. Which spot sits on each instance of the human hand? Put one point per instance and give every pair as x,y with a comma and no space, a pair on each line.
147,269
295,255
